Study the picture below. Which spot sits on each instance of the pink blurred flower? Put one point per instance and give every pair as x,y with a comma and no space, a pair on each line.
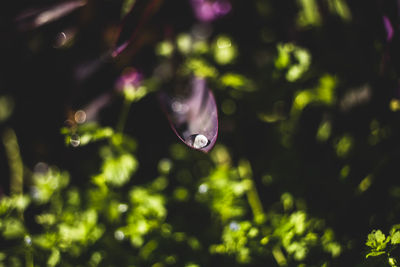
130,78
209,10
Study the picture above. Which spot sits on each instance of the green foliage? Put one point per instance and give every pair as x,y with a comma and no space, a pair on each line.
380,244
225,51
296,60
226,189
116,170
223,189
307,15
15,202
6,107
323,94
133,94
237,82
148,213
199,67
46,184
75,222
80,135
127,6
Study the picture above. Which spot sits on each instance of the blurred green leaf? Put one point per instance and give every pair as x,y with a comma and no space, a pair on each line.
46,184
6,107
12,228
395,239
54,258
127,5
117,171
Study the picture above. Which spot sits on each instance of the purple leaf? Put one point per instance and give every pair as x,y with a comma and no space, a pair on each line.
133,23
194,117
388,28
94,107
33,18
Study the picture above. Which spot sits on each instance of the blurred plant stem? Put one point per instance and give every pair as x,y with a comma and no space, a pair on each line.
279,256
253,198
14,161
16,177
124,115
29,258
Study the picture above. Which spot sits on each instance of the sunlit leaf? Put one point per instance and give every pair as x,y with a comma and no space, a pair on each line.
6,107
237,82
396,238
375,253
225,51
118,170
340,8
12,228
127,5
54,258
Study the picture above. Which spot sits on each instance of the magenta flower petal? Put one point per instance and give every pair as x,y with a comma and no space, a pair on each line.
193,118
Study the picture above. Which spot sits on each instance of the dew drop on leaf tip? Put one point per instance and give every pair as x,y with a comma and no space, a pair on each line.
75,140
203,188
234,226
199,141
28,240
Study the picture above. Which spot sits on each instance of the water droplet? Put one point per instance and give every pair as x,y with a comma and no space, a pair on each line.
234,226
28,240
223,42
35,193
80,116
119,235
60,40
122,208
41,168
200,141
75,140
203,188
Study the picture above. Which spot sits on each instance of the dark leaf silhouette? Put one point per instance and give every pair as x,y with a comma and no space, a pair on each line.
133,23
193,117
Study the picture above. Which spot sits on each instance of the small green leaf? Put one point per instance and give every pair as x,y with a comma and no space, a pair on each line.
13,228
392,262
117,171
54,258
394,229
375,253
371,242
396,238
127,5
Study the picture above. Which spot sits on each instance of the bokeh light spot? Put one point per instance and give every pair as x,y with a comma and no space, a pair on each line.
80,116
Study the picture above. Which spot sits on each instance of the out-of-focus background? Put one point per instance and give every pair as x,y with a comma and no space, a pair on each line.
305,168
